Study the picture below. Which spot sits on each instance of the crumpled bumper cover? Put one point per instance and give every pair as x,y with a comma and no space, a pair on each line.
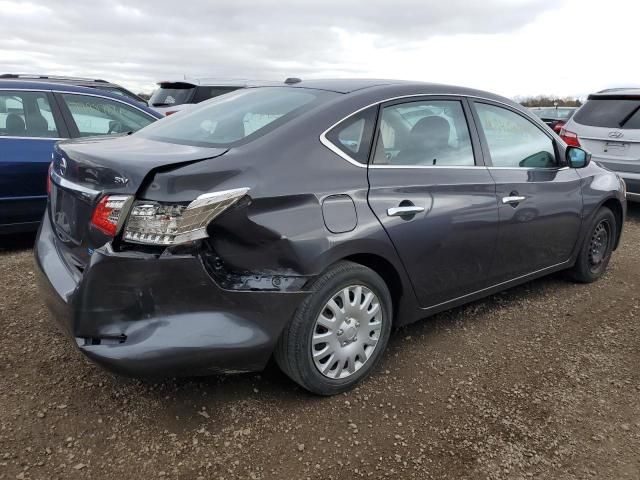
139,314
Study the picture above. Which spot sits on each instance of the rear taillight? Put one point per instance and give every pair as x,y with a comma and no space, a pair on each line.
49,178
107,213
558,127
155,223
569,138
166,114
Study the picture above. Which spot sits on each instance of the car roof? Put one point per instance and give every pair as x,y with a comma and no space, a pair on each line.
6,84
218,82
339,85
619,91
55,78
616,93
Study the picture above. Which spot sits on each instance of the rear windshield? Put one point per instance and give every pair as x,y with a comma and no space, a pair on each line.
169,94
610,113
237,117
205,93
554,113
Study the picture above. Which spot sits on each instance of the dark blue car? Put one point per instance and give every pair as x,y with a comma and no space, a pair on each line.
33,117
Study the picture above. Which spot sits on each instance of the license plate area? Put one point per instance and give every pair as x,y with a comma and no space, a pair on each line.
615,148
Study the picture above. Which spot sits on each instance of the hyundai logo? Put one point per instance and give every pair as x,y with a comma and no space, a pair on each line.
615,134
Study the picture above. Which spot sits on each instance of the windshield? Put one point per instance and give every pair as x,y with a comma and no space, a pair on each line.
169,94
234,117
610,113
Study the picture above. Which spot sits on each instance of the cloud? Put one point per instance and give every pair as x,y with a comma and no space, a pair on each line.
141,41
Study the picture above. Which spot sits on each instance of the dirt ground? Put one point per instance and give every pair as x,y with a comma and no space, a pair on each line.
542,381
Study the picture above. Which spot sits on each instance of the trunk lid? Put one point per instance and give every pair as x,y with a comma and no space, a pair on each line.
84,170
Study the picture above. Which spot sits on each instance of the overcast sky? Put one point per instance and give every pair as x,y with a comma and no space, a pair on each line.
511,47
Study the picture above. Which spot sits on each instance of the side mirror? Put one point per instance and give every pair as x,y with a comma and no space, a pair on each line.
577,157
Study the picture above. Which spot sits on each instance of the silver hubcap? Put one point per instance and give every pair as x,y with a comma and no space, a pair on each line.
346,332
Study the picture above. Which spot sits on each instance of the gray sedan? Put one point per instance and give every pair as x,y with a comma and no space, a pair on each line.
304,221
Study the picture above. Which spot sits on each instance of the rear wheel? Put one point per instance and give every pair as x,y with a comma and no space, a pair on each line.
596,250
338,334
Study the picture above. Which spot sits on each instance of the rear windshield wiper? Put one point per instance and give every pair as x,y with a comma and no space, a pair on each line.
628,117
161,104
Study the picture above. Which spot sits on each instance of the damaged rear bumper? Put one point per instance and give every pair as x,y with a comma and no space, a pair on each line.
141,314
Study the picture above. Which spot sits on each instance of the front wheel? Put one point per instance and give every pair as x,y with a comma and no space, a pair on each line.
338,334
596,249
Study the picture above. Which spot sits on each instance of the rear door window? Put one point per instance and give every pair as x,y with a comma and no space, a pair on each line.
103,116
612,112
26,114
424,133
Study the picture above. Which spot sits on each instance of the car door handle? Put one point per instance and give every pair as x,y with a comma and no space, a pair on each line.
402,211
513,200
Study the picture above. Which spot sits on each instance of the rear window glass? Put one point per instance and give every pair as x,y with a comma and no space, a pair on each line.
353,136
169,94
614,113
237,117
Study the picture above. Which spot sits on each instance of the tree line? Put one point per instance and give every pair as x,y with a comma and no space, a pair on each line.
547,101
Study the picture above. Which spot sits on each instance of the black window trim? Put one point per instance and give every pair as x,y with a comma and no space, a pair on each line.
561,164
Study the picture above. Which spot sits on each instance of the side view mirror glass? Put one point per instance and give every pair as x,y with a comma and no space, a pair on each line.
577,157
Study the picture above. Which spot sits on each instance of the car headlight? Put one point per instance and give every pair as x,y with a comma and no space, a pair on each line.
156,223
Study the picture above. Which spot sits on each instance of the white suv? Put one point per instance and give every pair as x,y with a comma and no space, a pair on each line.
608,126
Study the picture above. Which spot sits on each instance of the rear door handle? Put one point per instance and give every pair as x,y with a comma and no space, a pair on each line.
513,200
402,211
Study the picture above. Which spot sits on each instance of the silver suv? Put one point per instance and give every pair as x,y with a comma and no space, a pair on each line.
608,126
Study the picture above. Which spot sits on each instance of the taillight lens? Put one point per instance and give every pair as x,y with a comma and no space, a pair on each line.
569,138
155,223
558,127
171,112
107,213
49,178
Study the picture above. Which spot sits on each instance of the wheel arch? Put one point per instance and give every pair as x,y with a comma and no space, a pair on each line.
387,272
615,206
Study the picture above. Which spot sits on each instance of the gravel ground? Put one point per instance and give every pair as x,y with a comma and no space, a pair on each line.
539,382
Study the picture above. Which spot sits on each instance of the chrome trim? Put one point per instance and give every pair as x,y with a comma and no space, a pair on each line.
607,140
402,211
460,167
632,196
327,143
513,200
13,137
26,197
530,168
497,285
64,183
233,192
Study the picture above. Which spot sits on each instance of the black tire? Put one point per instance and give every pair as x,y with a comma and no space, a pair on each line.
596,249
293,352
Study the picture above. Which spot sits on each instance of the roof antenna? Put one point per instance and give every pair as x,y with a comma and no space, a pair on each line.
292,80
